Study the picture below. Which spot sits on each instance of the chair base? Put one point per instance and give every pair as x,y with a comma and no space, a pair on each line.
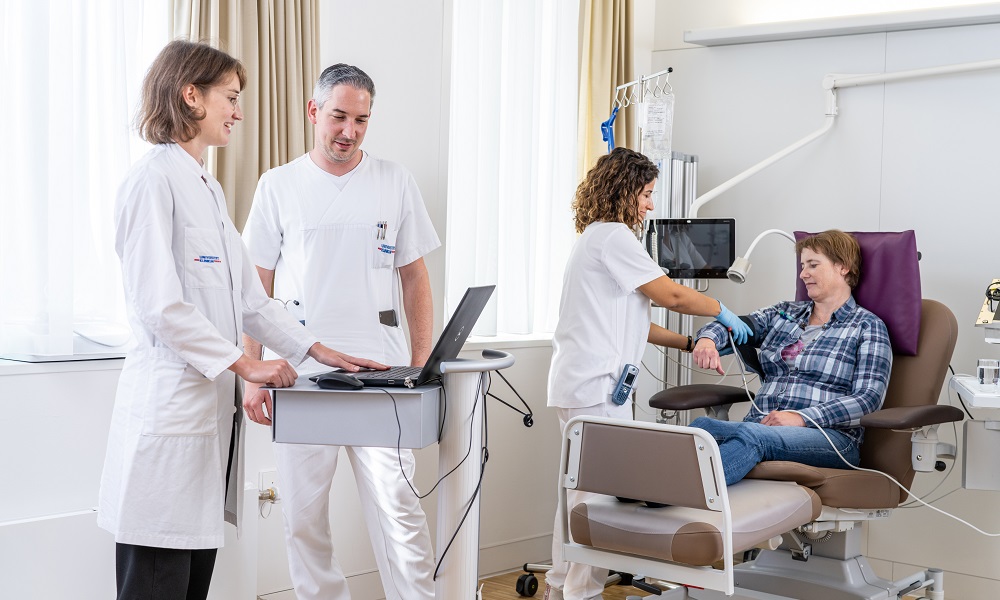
775,575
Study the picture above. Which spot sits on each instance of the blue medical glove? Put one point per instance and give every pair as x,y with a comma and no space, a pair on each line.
734,324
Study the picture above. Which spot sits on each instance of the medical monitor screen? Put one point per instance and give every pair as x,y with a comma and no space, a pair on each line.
692,248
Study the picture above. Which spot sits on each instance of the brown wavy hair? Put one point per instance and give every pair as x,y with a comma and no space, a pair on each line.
610,189
163,115
841,248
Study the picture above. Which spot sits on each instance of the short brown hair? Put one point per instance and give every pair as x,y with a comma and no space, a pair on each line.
163,115
609,191
841,248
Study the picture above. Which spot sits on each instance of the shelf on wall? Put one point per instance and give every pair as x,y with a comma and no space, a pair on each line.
953,16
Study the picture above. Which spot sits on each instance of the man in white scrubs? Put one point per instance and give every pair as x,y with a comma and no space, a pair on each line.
338,233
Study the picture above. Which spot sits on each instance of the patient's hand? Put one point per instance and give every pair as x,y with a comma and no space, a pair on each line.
706,355
783,418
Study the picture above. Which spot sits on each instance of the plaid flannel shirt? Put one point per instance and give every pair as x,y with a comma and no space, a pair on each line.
838,378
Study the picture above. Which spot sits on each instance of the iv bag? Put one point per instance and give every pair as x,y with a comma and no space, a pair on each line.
657,121
656,117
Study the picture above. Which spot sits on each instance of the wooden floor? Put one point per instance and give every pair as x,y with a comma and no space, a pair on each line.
502,587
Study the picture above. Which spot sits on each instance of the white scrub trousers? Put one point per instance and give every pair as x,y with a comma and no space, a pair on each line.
578,581
396,523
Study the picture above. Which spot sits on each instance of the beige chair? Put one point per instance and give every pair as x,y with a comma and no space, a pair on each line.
705,522
819,557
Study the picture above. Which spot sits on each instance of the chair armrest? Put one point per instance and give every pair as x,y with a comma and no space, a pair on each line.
911,417
699,395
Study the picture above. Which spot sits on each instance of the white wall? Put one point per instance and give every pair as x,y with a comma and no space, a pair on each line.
674,17
914,155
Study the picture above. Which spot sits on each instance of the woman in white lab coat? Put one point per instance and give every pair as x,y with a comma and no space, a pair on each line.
173,470
604,319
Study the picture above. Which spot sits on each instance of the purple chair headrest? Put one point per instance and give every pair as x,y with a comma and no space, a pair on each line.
889,284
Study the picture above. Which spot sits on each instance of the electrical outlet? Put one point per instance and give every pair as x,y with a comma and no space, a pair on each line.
267,480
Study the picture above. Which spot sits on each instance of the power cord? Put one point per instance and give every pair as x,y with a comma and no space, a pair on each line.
484,458
484,451
399,438
528,417
856,468
721,378
485,454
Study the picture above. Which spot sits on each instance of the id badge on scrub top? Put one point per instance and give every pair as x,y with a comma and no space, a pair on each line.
385,246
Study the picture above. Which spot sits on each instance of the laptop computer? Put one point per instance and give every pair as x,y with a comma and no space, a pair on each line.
447,347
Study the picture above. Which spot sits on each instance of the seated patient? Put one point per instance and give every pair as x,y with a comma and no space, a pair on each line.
826,358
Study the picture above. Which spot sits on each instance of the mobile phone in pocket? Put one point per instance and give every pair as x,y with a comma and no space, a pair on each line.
624,388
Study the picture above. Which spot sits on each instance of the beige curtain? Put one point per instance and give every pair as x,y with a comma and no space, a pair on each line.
278,42
605,63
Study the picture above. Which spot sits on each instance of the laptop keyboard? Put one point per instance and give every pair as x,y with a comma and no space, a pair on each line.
392,373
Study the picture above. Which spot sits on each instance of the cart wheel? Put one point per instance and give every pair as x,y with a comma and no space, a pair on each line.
527,585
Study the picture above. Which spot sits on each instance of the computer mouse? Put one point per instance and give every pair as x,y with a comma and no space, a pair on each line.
336,380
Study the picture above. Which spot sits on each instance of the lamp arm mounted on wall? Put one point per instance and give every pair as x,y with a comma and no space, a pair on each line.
741,266
831,83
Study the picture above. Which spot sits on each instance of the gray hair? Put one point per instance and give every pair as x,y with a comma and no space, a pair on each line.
342,74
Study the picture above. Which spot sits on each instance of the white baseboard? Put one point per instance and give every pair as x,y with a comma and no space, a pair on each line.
510,556
365,586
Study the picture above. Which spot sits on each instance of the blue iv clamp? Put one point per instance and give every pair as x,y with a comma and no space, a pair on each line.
607,130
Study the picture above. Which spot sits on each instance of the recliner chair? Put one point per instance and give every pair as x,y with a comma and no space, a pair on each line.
819,557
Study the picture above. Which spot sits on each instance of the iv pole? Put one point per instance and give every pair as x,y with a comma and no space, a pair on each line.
634,92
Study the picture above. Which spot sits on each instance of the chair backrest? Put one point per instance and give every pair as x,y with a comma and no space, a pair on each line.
915,381
889,285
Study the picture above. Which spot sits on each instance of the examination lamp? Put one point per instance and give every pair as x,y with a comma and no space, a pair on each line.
737,273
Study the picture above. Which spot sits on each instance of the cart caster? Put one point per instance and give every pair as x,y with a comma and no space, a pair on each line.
527,585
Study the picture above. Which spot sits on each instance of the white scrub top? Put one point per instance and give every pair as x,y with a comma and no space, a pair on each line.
337,251
190,290
603,318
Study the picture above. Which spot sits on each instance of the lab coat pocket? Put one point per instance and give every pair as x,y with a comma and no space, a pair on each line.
384,247
204,259
181,401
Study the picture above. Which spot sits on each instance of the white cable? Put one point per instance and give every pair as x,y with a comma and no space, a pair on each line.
663,351
834,446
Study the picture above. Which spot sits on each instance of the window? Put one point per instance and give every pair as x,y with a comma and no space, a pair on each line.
512,158
71,72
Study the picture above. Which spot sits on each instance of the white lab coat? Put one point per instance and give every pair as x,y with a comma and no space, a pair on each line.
190,290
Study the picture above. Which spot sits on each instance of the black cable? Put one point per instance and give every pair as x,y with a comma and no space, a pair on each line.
399,438
484,457
529,417
964,407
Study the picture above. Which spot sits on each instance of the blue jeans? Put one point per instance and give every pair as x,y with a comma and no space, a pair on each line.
744,444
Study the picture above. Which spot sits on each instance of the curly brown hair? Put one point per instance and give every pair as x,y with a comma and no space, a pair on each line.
610,190
841,248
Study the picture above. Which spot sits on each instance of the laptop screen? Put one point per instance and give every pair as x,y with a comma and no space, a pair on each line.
457,330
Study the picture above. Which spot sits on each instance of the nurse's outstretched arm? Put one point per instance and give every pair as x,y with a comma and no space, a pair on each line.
680,298
332,358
